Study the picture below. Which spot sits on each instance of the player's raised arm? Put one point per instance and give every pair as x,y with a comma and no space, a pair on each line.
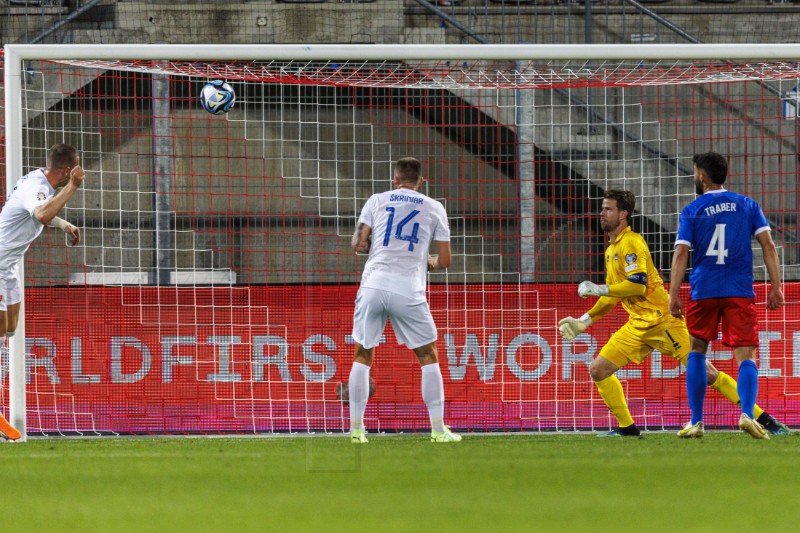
775,296
45,212
624,289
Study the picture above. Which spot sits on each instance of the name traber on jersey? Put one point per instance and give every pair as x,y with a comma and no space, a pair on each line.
719,226
403,222
719,208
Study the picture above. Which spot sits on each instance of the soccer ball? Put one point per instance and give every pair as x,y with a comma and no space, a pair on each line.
217,97
343,391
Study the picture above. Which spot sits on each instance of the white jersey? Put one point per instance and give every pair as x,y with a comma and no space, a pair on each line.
403,222
18,226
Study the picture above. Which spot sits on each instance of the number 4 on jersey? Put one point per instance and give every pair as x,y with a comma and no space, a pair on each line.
398,234
717,246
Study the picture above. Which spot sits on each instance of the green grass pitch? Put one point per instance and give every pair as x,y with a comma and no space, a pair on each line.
724,482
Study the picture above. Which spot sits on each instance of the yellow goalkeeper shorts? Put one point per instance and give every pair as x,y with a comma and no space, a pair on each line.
628,344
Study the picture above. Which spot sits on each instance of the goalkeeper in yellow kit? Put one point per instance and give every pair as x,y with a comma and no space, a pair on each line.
631,278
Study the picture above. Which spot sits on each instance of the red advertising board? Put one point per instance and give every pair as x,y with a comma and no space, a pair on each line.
267,358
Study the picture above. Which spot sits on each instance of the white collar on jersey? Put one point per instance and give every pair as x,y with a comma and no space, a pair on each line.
716,191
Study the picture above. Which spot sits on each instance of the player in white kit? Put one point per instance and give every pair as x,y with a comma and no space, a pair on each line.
396,228
32,204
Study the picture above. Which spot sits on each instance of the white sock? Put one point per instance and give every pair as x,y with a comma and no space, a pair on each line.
358,387
6,344
433,394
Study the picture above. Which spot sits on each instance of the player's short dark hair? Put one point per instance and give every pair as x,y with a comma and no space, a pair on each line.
714,165
626,200
408,169
62,156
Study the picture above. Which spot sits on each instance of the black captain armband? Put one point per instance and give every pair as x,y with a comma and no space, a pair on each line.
640,278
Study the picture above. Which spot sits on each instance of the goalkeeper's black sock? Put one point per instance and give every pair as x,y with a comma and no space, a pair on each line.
630,431
764,419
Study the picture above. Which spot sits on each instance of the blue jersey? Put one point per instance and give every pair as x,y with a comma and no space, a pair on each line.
719,226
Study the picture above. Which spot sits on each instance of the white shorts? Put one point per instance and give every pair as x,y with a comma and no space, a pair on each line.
10,288
412,321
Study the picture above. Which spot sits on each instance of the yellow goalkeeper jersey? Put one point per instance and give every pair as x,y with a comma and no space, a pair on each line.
629,257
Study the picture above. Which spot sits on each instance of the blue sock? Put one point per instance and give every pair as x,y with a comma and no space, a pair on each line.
748,386
696,384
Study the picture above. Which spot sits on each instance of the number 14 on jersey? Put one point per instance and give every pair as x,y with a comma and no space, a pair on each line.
398,234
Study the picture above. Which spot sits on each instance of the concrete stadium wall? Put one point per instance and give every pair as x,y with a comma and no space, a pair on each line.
294,193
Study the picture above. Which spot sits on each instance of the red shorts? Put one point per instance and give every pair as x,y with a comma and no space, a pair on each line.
737,316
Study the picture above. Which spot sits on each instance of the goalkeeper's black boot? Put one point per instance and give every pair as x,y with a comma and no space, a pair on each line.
771,425
627,431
